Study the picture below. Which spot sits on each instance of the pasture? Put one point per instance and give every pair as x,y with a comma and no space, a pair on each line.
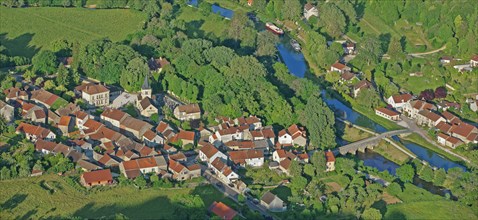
25,31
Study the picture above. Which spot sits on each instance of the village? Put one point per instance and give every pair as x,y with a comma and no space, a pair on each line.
105,142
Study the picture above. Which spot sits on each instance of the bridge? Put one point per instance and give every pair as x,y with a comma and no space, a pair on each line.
371,142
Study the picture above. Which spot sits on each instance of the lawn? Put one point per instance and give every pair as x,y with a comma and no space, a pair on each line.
352,134
421,204
24,31
28,198
200,25
392,153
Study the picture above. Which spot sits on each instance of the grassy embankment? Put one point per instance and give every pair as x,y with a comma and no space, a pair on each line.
24,31
50,196
421,204
417,139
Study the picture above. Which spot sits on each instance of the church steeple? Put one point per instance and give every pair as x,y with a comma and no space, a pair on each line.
146,88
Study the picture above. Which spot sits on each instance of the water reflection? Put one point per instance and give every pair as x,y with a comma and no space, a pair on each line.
294,60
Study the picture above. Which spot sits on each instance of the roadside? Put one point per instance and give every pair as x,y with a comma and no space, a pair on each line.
432,144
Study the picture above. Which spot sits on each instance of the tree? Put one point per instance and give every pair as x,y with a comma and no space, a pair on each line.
427,94
292,10
371,214
63,76
49,84
406,173
44,62
394,189
140,182
427,174
3,125
134,74
440,176
370,50
395,49
440,92
320,122
332,19
266,44
319,161
369,98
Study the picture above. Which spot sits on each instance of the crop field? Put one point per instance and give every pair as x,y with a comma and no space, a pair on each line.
25,31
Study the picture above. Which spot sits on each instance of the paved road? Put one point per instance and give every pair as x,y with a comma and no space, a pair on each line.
362,143
414,127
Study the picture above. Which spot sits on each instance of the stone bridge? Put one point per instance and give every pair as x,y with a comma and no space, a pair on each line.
371,142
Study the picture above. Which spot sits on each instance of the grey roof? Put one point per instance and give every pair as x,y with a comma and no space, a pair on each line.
146,83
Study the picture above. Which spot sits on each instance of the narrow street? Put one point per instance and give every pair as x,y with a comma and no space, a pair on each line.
415,129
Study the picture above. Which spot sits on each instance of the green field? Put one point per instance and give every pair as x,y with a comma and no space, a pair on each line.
429,210
24,31
29,198
199,24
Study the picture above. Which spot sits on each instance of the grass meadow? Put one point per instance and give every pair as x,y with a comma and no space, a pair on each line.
51,196
25,31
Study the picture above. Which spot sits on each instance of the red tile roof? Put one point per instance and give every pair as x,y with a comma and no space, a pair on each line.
186,135
37,131
402,98
97,176
190,108
387,112
150,135
175,166
64,121
47,145
114,114
329,156
242,155
222,210
92,88
339,66
209,150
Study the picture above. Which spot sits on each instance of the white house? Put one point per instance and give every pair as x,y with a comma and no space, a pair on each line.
151,139
399,101
224,172
254,158
474,61
113,117
229,134
310,10
294,135
209,153
34,133
94,94
341,68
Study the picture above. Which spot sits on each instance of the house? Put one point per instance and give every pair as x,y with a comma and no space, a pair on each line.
69,109
303,157
208,153
451,118
94,94
273,203
339,67
474,61
14,93
97,177
44,98
108,161
224,172
222,211
347,77
81,117
448,141
179,156
363,84
166,130
151,139
53,118
399,101
66,125
113,117
284,165
134,168
428,118
250,2
87,165
281,154
446,59
293,135
146,108
226,135
7,111
465,132
253,158
463,67
269,135
81,144
45,147
187,112
387,113
34,133
184,137
156,65
181,172
39,116
330,161
134,127
413,107
147,152
349,48
310,10
474,105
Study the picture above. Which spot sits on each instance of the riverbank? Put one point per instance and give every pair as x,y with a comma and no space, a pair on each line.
417,139
351,103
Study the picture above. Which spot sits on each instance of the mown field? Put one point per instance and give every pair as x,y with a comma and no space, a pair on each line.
50,196
24,31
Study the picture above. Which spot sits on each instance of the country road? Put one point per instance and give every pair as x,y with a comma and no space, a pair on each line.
428,52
